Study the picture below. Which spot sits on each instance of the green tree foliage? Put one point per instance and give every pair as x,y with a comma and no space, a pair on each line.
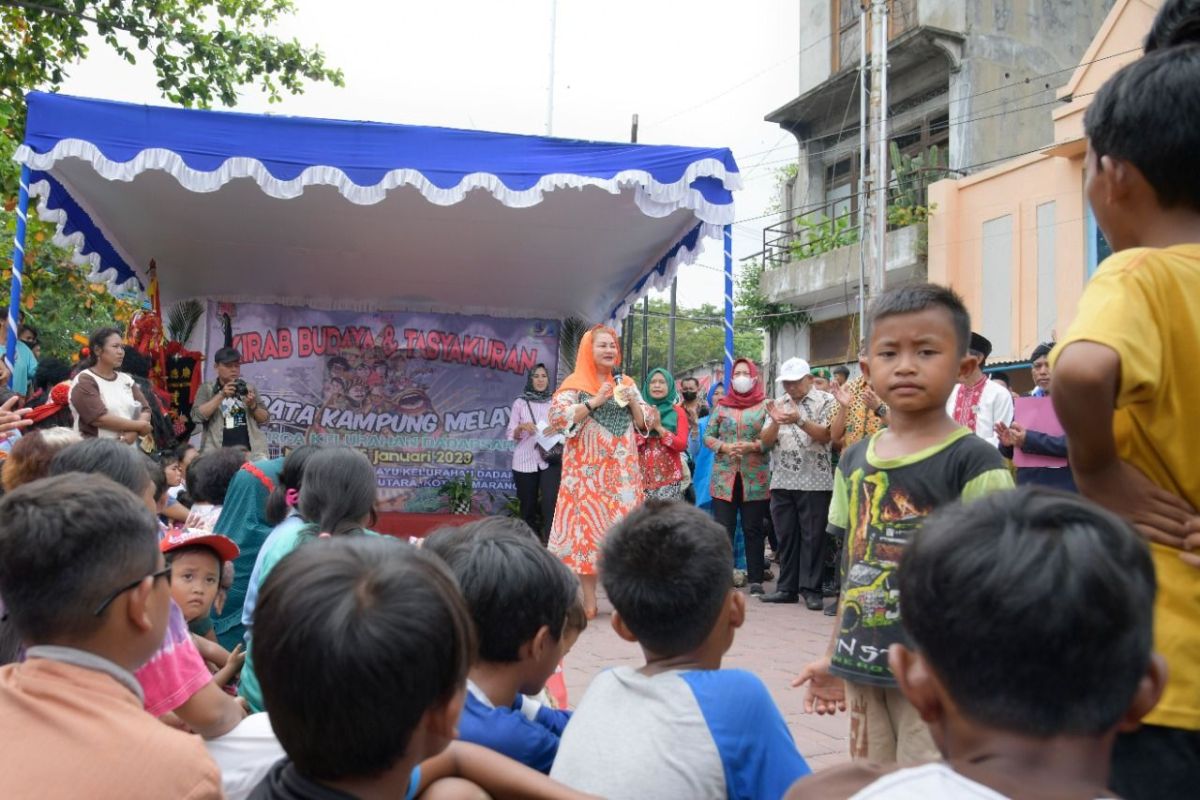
57,300
699,337
203,52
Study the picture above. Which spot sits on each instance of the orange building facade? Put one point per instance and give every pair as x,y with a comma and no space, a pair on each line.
1018,241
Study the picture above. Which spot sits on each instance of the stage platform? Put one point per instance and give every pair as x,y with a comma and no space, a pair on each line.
406,525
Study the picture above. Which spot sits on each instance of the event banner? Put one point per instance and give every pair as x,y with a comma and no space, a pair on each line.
426,397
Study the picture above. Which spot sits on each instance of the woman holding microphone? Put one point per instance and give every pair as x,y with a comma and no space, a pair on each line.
599,412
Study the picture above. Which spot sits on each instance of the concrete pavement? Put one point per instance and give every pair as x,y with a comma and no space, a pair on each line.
775,642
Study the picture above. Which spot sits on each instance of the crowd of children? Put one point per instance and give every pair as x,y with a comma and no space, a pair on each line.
990,642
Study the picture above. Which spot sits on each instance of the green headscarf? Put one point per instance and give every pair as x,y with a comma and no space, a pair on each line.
822,372
665,406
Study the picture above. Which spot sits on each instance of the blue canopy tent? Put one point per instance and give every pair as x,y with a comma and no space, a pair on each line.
367,216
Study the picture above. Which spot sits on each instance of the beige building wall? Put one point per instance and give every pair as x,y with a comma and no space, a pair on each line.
1039,198
967,230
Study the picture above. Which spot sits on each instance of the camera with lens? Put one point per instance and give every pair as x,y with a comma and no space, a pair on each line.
239,388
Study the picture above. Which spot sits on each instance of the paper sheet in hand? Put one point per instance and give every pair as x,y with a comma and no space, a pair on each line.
547,439
1037,414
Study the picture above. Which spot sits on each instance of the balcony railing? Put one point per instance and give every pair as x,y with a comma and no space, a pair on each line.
809,232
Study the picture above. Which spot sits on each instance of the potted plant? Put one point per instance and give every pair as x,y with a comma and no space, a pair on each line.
459,493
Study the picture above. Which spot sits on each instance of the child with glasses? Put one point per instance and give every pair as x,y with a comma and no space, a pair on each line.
177,686
85,592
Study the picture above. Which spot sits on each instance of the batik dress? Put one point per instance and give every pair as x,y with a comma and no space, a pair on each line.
601,478
661,457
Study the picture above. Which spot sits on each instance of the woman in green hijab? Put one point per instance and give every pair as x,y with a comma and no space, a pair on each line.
660,449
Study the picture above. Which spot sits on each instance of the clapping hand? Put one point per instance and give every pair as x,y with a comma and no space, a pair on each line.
871,399
653,420
1011,435
742,448
12,418
783,414
841,395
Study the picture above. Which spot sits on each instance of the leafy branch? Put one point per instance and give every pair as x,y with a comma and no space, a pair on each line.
771,317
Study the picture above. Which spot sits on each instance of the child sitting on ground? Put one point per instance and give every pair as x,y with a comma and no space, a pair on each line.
208,479
884,487
518,595
555,693
338,499
363,646
444,540
680,726
196,560
178,687
173,511
1024,691
86,589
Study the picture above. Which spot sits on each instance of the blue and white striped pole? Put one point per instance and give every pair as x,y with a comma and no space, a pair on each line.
18,266
728,305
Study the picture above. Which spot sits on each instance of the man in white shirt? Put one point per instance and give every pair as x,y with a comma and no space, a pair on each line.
979,403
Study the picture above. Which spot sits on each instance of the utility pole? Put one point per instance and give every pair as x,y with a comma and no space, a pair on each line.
864,204
671,331
880,171
633,137
550,85
645,337
627,360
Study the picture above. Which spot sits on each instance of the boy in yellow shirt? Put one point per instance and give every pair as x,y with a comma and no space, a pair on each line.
1126,384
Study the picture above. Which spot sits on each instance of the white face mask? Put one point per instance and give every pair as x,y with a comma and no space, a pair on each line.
742,384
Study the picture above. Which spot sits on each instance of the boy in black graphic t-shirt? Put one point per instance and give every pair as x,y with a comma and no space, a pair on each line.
883,489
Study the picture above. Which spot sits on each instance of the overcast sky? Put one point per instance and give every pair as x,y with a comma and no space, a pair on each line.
697,72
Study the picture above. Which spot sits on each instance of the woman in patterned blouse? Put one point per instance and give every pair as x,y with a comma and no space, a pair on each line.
601,477
740,474
660,450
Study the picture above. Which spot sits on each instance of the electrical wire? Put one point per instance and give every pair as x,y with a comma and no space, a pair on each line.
1031,78
740,84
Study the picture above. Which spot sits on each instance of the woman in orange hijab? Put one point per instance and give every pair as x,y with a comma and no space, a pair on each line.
601,480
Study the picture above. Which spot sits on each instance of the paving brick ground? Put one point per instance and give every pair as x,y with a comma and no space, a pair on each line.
774,643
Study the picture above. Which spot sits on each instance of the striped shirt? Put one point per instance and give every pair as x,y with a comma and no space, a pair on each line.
525,456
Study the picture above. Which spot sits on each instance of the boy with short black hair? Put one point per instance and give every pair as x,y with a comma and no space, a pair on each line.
884,487
518,595
1026,690
1125,377
362,647
680,726
85,587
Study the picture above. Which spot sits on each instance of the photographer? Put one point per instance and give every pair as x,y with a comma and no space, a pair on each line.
228,409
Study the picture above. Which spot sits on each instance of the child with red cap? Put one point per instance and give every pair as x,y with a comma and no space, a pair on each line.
196,558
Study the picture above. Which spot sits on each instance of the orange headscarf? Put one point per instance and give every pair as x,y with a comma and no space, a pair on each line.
587,377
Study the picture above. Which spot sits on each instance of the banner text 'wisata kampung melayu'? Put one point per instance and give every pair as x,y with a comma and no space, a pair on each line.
425,396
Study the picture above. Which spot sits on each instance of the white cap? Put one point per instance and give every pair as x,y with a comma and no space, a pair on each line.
793,369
